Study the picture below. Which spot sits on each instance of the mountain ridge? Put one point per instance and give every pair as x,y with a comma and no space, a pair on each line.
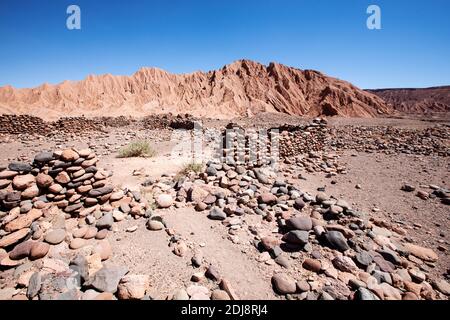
243,87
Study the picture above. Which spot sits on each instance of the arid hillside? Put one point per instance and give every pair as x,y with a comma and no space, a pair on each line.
243,88
417,101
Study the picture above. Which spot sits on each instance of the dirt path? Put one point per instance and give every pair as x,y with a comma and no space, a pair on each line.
148,252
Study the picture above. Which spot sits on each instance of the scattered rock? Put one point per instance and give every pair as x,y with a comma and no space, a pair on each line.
133,287
283,284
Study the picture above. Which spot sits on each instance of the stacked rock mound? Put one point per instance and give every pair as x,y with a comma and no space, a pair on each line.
166,121
19,124
297,140
344,254
54,217
69,179
391,140
249,147
116,122
76,124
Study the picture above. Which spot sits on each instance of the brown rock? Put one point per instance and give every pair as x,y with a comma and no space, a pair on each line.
267,198
226,286
4,183
79,233
103,248
23,182
312,265
197,194
220,295
213,274
69,155
77,243
31,192
39,250
270,242
23,221
22,250
105,296
102,234
55,188
180,249
14,237
7,174
62,178
410,296
421,252
133,287
284,284
44,180
90,233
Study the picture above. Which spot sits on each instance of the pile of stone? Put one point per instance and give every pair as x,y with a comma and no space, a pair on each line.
20,124
166,121
185,122
116,122
249,147
303,139
344,254
76,124
69,179
391,140
55,216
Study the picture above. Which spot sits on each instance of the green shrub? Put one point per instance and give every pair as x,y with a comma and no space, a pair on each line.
137,149
192,166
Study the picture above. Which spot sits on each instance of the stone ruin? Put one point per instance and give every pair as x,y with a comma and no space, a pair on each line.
27,124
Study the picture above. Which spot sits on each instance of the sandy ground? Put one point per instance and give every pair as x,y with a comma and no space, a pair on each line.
380,177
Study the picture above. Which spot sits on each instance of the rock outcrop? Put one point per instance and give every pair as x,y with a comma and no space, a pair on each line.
243,88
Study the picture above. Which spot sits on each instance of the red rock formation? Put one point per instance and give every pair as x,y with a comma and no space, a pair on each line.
418,101
241,88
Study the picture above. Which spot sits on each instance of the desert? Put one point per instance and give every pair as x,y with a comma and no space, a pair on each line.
353,208
224,159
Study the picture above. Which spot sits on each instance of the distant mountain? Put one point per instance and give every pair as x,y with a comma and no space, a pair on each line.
238,89
419,101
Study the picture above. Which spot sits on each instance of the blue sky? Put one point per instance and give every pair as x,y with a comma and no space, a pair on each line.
119,37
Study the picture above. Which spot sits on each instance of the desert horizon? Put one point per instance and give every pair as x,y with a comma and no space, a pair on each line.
253,182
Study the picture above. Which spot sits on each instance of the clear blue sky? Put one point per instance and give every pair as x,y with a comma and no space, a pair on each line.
119,37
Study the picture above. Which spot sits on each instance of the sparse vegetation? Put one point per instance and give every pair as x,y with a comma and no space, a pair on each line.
187,168
191,167
137,149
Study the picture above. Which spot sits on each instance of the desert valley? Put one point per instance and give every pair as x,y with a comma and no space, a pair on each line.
307,188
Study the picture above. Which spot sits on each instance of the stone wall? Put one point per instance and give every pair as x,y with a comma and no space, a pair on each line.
26,124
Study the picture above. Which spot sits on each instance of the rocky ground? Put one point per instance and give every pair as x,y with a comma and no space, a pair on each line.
358,209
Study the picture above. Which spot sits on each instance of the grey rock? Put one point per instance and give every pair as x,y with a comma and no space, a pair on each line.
382,276
70,295
300,223
105,222
80,265
283,261
100,191
43,157
365,294
363,258
262,178
55,236
296,237
19,167
34,285
211,171
390,256
337,240
216,214
107,279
